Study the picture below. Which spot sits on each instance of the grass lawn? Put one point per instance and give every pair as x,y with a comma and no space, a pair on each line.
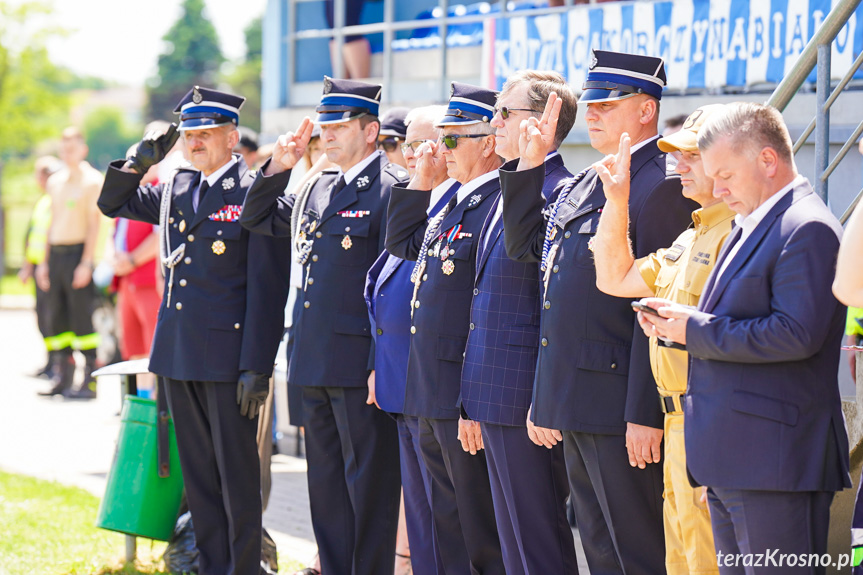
47,528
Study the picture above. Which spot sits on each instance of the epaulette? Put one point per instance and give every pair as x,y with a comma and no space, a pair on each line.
397,172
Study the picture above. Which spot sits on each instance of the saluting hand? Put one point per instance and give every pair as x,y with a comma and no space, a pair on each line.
536,137
429,163
613,170
289,148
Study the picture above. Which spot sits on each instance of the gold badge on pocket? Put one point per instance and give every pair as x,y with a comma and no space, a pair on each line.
218,247
448,267
347,242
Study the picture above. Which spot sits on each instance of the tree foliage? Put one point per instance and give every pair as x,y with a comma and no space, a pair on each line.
245,77
33,102
108,135
192,56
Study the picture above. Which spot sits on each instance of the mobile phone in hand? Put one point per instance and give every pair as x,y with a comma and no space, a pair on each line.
638,306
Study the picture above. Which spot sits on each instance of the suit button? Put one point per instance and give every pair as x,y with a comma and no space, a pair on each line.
179,306
416,304
380,331
413,329
544,342
306,304
182,283
475,291
311,281
555,269
431,252
187,261
472,325
315,258
318,234
190,237
171,220
687,284
613,366
452,252
547,304
347,228
218,233
236,326
567,234
425,277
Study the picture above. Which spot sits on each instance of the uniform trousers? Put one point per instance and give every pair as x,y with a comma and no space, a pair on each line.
416,486
793,523
461,501
221,471
529,488
618,508
352,451
71,309
688,535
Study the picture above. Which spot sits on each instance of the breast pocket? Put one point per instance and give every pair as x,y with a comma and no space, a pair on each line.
223,243
458,269
351,241
585,238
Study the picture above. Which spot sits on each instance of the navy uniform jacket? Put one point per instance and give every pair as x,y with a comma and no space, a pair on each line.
226,312
593,373
388,296
763,409
332,342
441,321
500,360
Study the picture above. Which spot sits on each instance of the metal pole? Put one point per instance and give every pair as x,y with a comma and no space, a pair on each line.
291,61
131,548
389,16
822,122
826,33
338,41
442,31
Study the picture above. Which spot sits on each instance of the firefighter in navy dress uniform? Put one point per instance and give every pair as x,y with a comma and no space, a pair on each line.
220,322
338,227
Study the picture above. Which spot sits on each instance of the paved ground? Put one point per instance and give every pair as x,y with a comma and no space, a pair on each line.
73,441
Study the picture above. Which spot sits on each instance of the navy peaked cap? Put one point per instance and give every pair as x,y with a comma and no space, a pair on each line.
345,100
616,75
203,108
393,123
468,104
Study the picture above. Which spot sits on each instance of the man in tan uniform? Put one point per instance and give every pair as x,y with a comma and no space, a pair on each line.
677,273
67,272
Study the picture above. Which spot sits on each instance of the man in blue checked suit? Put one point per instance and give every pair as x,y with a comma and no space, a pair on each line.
764,426
594,388
388,297
338,227
528,481
445,250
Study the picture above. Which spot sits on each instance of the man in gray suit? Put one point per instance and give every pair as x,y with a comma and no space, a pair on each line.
764,425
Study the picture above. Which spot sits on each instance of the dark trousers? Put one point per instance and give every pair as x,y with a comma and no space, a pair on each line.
354,480
43,315
221,470
747,523
71,309
618,508
416,487
529,487
461,501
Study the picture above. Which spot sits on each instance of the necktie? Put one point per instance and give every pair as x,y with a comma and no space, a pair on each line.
199,193
337,187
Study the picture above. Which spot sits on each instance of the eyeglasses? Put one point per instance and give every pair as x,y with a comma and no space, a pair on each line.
389,144
505,110
451,140
413,146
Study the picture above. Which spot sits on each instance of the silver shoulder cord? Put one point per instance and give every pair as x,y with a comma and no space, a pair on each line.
304,246
169,258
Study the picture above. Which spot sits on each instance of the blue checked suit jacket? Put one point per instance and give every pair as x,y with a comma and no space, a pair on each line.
500,360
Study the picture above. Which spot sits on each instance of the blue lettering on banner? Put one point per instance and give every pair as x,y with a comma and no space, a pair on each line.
733,43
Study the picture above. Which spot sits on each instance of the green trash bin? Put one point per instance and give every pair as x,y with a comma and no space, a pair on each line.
137,501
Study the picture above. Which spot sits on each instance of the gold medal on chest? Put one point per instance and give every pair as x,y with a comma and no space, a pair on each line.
347,242
182,226
218,247
448,267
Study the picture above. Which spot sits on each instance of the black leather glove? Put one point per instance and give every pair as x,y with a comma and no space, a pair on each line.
153,149
252,391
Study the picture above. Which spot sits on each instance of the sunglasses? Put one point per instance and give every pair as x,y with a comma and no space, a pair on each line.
505,110
451,140
389,144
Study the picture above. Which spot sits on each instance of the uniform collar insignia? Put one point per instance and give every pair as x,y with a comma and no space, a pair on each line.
362,182
228,183
474,200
